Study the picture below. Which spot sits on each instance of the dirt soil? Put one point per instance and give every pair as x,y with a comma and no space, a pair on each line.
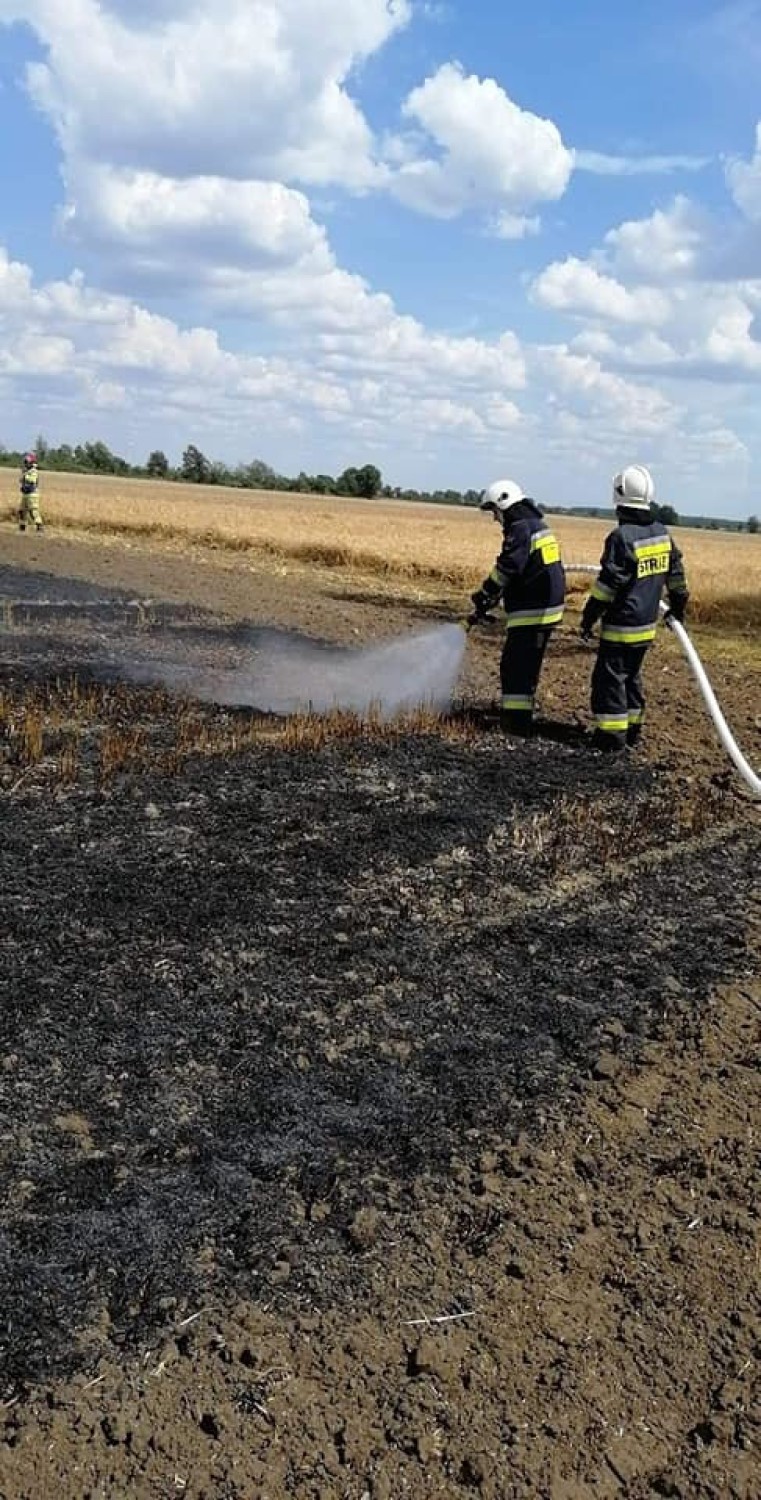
377,1119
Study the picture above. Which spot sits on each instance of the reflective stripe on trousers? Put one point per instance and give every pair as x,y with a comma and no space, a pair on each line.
518,704
521,666
618,699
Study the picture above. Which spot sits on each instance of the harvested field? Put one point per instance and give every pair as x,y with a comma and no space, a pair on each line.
378,1105
425,544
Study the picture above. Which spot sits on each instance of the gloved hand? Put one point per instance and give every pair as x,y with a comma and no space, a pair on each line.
586,635
678,606
483,604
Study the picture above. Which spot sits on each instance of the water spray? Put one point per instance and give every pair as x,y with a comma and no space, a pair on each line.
698,670
287,674
396,676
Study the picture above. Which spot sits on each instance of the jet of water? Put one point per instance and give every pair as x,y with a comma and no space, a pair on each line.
406,673
289,674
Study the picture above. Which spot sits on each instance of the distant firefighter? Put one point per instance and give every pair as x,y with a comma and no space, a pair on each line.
638,561
529,578
29,509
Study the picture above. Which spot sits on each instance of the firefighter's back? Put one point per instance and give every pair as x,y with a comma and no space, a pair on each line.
645,548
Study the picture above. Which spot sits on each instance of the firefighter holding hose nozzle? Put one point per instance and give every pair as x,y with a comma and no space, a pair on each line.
639,559
528,577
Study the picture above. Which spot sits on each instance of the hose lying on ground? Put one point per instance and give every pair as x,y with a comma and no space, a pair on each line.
724,732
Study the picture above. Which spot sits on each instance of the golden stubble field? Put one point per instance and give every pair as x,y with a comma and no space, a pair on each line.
440,545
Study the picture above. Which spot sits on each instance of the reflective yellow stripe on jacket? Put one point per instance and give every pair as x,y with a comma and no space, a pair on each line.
602,592
536,617
632,635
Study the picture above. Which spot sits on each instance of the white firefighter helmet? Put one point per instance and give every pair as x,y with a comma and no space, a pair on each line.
501,497
634,488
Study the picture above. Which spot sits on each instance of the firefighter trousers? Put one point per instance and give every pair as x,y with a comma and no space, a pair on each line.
29,510
618,699
520,668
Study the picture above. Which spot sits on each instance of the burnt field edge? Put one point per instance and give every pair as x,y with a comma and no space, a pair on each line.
214,1033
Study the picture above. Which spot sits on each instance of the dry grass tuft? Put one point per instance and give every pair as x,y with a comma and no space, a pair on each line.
449,547
118,749
30,738
73,731
67,765
310,731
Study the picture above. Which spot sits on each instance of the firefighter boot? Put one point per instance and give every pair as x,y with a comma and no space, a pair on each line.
518,722
609,744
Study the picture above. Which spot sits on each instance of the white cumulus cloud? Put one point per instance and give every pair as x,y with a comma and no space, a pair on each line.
235,88
191,133
744,178
205,220
576,286
507,226
478,149
669,243
677,293
106,347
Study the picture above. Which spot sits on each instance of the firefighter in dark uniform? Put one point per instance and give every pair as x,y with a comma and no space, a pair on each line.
530,580
639,560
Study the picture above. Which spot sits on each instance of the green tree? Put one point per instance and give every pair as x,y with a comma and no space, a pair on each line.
195,468
158,464
753,525
259,476
97,458
60,458
369,480
666,514
346,483
220,474
323,484
366,481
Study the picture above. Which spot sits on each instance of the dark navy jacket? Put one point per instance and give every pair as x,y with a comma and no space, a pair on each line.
640,558
528,575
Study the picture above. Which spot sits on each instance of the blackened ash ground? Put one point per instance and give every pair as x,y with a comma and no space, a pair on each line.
290,980
308,1044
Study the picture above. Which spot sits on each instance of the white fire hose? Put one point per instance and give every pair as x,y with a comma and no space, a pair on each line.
725,734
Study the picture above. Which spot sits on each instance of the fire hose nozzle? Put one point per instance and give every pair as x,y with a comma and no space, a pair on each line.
477,618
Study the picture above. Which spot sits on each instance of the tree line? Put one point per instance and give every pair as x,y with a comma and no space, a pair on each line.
364,481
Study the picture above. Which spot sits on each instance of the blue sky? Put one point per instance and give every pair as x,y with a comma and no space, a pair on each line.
454,239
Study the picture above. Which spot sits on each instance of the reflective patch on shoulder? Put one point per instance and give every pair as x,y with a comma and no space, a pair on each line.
651,549
547,544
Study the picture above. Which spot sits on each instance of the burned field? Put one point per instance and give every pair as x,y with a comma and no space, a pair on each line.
300,1032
